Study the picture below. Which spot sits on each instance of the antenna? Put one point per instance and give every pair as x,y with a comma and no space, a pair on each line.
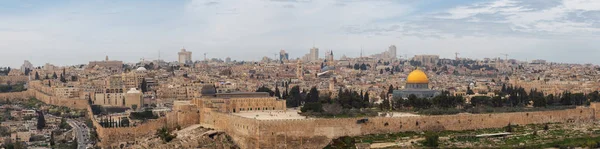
361,51
456,55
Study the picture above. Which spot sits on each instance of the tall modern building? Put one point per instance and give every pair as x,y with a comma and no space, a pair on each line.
283,56
314,54
185,57
228,60
392,52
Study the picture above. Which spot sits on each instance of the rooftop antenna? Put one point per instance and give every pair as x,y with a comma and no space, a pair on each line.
456,55
361,51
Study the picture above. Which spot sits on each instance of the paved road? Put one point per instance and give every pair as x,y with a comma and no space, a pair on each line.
82,133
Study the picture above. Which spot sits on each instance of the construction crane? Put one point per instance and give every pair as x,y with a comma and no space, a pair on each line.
505,56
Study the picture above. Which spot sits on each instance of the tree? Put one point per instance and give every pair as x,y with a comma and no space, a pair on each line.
390,89
165,135
41,121
312,106
124,122
265,89
144,85
469,91
62,78
385,105
431,140
363,66
313,95
356,66
277,93
294,98
366,100
54,76
509,128
37,76
52,139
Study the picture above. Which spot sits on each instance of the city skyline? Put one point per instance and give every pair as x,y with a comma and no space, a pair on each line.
75,32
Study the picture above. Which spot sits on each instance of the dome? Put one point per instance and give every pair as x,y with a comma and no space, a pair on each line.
141,69
133,90
417,77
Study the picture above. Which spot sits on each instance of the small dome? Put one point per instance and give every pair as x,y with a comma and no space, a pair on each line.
133,90
141,69
208,90
417,77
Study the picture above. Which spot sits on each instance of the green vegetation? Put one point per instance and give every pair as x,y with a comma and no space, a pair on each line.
558,135
4,88
145,115
431,139
165,134
342,143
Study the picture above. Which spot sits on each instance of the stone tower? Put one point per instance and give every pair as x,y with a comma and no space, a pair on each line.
299,70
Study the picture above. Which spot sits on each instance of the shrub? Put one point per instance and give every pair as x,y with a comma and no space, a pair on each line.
431,139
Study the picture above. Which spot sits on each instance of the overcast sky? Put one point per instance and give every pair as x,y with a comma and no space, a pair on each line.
75,32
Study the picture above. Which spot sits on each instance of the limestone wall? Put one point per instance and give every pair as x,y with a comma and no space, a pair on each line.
58,101
16,95
316,133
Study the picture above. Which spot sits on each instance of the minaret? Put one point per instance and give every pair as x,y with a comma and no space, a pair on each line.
107,58
299,70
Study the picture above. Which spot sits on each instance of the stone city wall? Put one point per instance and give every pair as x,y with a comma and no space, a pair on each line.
113,137
240,129
16,95
316,133
74,103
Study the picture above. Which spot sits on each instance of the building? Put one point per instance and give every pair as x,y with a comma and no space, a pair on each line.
329,57
113,66
237,102
417,84
283,56
299,70
185,57
66,92
26,65
314,54
228,60
391,52
116,97
427,60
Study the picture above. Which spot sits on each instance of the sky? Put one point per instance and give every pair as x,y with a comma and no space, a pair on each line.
64,32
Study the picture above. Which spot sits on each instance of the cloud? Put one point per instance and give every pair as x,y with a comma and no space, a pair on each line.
250,29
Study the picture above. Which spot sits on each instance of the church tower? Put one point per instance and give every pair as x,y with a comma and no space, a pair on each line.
299,70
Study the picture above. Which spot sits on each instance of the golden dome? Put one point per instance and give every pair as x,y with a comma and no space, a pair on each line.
417,77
